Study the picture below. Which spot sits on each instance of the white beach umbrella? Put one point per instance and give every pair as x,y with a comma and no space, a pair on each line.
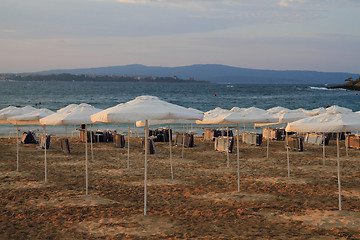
315,111
72,115
145,108
250,115
277,109
172,121
28,118
9,112
336,109
329,122
287,116
214,116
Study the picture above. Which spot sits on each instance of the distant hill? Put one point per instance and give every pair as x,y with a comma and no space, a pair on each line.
216,73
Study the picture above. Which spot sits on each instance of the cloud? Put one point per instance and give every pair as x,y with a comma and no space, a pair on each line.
291,3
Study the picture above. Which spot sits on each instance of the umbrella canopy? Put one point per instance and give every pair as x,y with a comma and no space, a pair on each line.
170,121
144,108
327,122
337,109
287,116
315,111
249,115
71,115
14,111
277,109
30,118
214,116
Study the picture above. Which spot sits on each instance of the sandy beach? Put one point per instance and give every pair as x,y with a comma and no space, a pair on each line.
201,201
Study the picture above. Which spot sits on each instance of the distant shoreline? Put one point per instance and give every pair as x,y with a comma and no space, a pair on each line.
94,78
350,84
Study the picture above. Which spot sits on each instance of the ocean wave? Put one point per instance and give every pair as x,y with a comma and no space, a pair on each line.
320,88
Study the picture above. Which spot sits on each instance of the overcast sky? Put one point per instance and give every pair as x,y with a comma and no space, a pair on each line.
321,35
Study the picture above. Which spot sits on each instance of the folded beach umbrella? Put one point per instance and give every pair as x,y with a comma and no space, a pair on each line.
145,108
72,115
328,122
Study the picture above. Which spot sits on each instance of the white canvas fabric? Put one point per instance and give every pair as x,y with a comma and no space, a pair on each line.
287,116
315,111
144,108
277,109
214,116
170,121
336,109
14,111
327,122
249,115
71,116
30,118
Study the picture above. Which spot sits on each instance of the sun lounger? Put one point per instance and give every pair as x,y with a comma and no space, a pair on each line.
119,140
188,141
252,138
65,146
224,144
29,137
45,142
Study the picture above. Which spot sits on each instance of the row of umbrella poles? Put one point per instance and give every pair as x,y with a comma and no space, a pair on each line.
155,111
145,108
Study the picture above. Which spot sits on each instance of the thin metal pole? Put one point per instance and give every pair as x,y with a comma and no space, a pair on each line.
128,152
171,160
287,153
91,144
324,149
338,163
227,146
17,148
146,151
238,156
45,160
86,163
268,143
346,144
183,142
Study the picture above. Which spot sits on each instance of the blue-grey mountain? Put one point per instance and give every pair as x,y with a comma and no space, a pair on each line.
218,74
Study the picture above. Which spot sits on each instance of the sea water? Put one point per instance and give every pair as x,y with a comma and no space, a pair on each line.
202,96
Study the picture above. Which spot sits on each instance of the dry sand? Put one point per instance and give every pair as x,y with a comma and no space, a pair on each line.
201,201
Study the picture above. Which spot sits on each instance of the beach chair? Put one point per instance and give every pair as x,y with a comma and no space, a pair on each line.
45,142
119,140
28,138
65,146
151,146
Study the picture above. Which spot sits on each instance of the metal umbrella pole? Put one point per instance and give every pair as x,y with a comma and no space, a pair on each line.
238,156
86,163
227,146
287,153
170,150
128,150
145,175
45,160
338,163
17,148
